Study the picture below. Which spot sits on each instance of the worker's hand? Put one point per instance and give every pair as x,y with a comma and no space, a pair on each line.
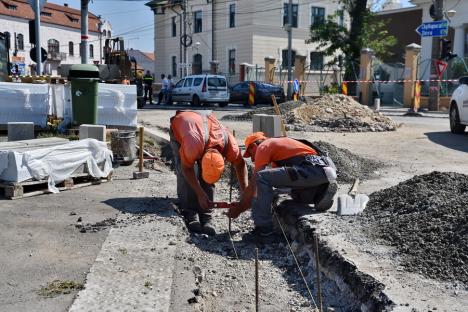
234,212
204,201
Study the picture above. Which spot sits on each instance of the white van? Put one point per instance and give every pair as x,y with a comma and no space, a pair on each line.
200,89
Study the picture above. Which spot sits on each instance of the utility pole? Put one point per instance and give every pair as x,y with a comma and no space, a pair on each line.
84,32
434,90
290,24
37,16
185,36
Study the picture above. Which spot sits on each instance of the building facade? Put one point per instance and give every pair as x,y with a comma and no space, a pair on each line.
60,35
145,60
458,31
236,32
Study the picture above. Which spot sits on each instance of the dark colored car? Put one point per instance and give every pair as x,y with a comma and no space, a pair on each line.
240,93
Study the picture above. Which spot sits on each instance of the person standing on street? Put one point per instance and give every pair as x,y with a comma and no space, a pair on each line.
148,82
284,163
170,86
200,144
164,86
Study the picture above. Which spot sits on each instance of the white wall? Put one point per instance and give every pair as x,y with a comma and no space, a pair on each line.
49,31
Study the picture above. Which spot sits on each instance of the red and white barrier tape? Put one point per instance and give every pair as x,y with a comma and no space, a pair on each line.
382,81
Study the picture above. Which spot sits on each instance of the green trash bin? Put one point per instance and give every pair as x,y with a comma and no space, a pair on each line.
84,88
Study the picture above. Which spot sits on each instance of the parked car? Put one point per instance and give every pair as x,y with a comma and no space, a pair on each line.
201,89
459,107
263,93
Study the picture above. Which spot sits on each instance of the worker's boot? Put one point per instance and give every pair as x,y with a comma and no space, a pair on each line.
207,225
325,200
192,222
262,236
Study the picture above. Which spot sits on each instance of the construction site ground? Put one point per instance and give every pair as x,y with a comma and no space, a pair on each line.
142,258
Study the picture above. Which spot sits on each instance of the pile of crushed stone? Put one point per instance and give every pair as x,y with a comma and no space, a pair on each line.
350,166
329,113
426,219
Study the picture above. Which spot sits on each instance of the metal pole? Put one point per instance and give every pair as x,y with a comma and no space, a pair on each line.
84,31
140,163
185,34
317,267
434,90
290,22
37,16
256,282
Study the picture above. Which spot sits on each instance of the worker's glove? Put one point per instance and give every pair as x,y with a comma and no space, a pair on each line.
204,202
234,212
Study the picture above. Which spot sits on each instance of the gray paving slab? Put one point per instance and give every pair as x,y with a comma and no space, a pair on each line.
133,271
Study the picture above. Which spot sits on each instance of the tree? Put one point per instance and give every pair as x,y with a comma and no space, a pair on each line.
332,37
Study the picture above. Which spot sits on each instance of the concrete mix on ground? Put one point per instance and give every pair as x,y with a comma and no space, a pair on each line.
330,113
426,219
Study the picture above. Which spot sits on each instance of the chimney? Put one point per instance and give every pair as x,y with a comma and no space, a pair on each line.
65,5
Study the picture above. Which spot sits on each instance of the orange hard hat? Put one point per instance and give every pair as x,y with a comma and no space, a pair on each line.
252,138
212,166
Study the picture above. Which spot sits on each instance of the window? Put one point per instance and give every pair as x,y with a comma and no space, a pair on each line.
197,82
109,34
232,15
179,84
188,82
104,33
47,14
7,39
174,27
11,7
284,54
232,61
174,66
20,42
91,51
197,64
340,14
197,22
317,16
53,46
71,48
316,60
295,10
216,82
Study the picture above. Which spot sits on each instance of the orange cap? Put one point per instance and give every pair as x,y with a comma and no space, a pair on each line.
252,138
212,166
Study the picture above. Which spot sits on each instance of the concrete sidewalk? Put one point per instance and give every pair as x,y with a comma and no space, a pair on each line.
400,111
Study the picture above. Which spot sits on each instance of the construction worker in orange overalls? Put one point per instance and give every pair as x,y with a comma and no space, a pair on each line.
200,144
284,163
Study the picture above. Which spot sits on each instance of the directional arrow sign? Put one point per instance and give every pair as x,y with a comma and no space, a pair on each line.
433,29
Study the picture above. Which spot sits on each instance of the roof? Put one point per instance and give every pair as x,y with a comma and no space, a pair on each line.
51,14
400,10
149,55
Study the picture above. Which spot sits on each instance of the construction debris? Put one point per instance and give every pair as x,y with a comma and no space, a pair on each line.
426,219
330,113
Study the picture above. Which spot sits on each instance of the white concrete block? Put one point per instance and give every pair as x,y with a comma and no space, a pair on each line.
348,206
18,131
97,132
268,124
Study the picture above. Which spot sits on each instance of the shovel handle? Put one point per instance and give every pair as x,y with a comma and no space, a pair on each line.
354,188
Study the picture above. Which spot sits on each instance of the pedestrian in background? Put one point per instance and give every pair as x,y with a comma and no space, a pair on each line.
148,80
164,86
170,86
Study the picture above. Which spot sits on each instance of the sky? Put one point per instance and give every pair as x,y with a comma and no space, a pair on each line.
129,18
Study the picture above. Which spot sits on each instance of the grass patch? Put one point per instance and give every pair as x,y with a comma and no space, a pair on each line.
123,251
53,134
148,285
57,287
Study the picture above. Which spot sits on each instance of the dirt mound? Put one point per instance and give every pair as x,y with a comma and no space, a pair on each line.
426,219
350,166
337,113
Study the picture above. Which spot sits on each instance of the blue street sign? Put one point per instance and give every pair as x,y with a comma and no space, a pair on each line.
433,29
296,86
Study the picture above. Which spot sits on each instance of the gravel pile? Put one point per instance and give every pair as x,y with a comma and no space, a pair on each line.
329,113
350,166
426,219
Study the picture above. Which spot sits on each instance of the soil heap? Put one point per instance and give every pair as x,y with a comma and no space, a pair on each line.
426,219
350,166
329,113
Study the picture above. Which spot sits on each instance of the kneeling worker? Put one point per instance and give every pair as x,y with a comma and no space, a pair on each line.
294,165
200,144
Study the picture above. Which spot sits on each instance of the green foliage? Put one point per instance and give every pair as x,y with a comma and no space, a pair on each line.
333,88
331,37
